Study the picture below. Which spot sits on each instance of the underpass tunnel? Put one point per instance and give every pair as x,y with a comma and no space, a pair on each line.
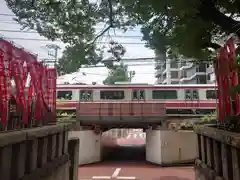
159,146
125,145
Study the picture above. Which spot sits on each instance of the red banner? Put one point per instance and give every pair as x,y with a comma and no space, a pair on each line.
17,64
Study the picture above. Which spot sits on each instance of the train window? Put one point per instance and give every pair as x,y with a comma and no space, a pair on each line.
195,94
64,95
138,94
188,94
211,94
191,94
141,94
114,95
86,95
164,94
135,95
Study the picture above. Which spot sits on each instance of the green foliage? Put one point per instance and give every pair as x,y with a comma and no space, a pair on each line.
208,118
74,56
183,27
119,73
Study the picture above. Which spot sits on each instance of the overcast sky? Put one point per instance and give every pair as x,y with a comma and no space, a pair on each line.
36,44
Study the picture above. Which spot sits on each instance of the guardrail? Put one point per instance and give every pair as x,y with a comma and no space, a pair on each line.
218,154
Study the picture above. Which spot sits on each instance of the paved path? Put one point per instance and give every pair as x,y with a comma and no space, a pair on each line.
138,171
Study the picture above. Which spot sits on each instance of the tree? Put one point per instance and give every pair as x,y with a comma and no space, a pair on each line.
119,73
74,56
191,28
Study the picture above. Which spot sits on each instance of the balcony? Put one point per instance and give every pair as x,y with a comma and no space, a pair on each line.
186,66
192,77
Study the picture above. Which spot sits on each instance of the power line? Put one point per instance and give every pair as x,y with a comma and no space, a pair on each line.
32,32
46,40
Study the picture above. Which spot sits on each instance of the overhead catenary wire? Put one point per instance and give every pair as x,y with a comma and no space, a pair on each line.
117,36
34,32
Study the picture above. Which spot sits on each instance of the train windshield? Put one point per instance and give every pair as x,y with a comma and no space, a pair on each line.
114,95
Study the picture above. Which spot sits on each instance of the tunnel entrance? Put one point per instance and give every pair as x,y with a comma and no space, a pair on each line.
127,153
124,145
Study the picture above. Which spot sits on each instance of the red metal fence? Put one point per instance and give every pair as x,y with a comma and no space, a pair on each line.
18,110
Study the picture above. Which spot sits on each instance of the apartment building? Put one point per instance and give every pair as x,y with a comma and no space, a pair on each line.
182,71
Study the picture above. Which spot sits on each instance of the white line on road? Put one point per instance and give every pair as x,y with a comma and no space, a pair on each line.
101,177
125,177
116,172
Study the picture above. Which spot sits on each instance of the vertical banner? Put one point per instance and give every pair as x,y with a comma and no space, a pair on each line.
51,82
234,74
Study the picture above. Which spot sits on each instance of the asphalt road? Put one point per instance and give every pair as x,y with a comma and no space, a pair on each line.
122,159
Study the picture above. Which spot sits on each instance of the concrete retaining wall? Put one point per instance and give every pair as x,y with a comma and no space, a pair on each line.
166,147
38,153
89,146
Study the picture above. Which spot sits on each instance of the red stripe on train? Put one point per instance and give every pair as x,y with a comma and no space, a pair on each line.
167,105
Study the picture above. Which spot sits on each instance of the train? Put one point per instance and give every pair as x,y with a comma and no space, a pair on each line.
129,103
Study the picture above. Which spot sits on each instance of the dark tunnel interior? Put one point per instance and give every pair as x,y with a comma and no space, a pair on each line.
126,153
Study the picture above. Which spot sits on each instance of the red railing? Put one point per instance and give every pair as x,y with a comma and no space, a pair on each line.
121,109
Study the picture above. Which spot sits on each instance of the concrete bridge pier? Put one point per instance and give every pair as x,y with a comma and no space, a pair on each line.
166,147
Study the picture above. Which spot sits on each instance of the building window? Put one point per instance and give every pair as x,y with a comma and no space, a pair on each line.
112,95
173,64
174,82
211,94
164,94
201,68
191,95
138,94
174,74
86,95
183,74
64,95
202,79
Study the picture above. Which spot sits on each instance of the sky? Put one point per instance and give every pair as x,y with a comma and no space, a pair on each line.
36,44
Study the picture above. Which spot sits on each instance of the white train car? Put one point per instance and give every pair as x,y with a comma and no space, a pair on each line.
139,101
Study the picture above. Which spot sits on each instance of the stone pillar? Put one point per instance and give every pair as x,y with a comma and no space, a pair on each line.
73,150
